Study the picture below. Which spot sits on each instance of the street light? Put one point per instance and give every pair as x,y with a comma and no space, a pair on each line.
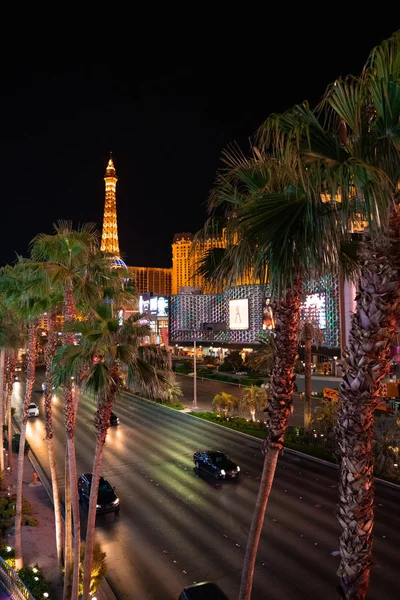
195,373
334,368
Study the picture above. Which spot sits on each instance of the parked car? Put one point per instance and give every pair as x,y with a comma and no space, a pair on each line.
107,500
33,410
216,463
114,420
203,591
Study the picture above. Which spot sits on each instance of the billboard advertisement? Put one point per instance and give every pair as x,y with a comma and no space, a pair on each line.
239,314
156,306
268,316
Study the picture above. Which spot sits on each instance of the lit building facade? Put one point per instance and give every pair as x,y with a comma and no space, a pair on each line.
238,317
152,280
185,260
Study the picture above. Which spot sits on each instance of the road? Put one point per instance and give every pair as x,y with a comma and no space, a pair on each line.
175,528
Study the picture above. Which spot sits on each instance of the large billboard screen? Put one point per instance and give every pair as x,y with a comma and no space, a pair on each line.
239,314
156,306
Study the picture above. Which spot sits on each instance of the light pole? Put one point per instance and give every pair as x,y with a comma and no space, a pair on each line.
334,368
195,374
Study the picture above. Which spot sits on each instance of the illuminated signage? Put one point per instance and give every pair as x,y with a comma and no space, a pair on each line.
156,306
239,314
314,309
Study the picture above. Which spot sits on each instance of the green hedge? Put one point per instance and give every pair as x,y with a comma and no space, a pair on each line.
15,443
34,581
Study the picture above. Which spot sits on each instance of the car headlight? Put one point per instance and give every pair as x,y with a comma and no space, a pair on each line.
238,469
98,505
223,472
116,501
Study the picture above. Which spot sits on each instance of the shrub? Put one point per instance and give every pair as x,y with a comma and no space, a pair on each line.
8,555
34,581
15,444
99,568
30,522
248,381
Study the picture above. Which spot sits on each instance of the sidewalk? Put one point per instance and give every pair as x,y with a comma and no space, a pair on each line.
38,543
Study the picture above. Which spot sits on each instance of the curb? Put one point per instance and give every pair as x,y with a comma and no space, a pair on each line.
321,461
104,592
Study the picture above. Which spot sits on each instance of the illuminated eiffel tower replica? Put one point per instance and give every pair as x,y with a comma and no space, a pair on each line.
109,237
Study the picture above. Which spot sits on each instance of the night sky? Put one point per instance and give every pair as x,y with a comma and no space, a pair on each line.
165,111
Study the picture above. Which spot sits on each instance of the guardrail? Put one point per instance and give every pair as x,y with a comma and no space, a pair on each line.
13,584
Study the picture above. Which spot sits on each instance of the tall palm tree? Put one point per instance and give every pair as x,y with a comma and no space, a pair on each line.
15,288
355,156
309,332
50,351
261,360
10,339
276,228
106,349
73,263
253,399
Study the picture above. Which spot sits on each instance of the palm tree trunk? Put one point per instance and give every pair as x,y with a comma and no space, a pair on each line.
367,362
279,409
49,355
68,533
69,418
101,420
307,382
2,410
9,408
267,478
30,378
69,422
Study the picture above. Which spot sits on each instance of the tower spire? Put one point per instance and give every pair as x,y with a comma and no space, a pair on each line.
109,237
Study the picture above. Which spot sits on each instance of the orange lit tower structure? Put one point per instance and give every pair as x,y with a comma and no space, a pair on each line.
109,237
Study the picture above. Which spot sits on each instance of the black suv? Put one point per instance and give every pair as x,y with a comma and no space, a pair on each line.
216,463
107,500
114,420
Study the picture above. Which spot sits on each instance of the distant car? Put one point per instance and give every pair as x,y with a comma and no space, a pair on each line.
107,500
114,420
203,591
33,410
216,463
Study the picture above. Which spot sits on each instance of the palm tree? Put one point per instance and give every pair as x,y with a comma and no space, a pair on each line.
261,360
356,160
9,340
309,332
50,351
173,389
106,348
74,264
225,403
15,287
253,399
277,229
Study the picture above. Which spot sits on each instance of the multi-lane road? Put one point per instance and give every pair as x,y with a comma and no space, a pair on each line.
175,528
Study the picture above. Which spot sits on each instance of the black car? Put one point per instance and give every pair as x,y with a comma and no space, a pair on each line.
216,463
107,500
114,420
203,591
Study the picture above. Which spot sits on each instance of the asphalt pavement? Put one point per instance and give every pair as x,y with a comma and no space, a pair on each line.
176,527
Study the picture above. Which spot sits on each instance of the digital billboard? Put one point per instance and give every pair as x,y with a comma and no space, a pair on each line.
156,306
239,314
